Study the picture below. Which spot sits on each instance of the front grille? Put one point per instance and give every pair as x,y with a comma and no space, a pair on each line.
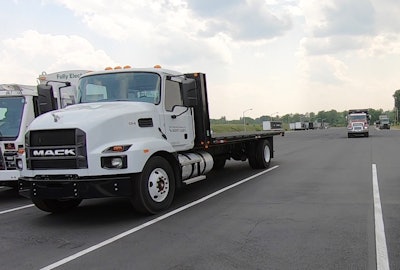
9,158
56,149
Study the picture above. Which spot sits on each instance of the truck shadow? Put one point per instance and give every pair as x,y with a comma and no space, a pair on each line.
8,195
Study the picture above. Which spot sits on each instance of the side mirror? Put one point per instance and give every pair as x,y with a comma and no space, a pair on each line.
45,100
189,93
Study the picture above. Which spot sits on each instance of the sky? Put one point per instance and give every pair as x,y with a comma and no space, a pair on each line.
261,57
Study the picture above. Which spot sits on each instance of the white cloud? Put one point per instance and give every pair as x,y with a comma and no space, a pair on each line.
338,17
331,45
251,20
156,31
382,44
134,20
31,53
387,15
326,70
241,20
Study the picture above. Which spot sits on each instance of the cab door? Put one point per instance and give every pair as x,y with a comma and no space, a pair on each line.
178,120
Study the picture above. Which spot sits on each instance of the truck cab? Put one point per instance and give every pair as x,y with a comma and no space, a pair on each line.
16,112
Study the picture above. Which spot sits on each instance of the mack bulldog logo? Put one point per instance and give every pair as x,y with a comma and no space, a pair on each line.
53,153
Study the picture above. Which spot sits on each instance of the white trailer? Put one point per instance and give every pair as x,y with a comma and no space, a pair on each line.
271,125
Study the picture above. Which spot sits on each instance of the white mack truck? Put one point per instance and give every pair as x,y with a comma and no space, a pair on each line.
138,133
19,105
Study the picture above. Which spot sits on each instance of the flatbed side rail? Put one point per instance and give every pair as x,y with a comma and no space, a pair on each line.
244,136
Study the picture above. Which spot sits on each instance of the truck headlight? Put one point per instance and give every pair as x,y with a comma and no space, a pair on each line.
114,162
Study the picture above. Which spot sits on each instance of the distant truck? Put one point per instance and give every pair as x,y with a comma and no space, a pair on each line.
298,126
384,122
19,105
271,125
358,123
138,133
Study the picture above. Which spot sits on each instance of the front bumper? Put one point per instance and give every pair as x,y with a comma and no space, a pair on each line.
357,131
9,177
79,188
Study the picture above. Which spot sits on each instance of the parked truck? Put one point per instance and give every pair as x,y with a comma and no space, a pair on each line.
358,123
19,105
139,133
384,122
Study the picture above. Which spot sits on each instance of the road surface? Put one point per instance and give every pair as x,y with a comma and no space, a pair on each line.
327,202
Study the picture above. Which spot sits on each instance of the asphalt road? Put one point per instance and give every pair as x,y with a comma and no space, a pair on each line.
314,209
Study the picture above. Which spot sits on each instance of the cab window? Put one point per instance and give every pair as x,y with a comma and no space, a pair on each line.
172,95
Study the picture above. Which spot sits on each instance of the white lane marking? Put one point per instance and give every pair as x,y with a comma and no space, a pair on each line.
382,260
16,209
151,222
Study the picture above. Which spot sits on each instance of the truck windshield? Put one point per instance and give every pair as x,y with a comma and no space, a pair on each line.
357,118
124,86
11,110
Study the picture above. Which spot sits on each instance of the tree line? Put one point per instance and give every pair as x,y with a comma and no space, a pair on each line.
332,117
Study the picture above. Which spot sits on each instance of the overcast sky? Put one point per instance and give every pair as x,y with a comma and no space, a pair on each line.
272,56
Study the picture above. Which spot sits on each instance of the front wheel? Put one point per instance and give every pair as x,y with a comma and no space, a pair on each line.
56,206
154,187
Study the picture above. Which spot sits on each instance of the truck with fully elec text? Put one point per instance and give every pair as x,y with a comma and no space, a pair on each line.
19,105
138,133
358,123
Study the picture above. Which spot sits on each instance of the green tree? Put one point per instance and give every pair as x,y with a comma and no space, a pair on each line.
396,97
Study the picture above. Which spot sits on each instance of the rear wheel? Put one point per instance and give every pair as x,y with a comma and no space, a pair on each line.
260,155
56,206
154,187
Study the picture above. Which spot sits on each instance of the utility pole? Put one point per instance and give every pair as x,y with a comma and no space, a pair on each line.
244,119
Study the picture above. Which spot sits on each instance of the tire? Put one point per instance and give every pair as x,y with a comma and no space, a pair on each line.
251,154
366,134
56,206
259,155
154,187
